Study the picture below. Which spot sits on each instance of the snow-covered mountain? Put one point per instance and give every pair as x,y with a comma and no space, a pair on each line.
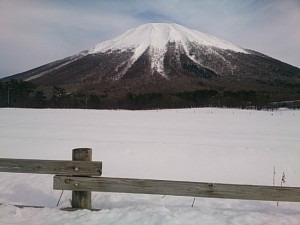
160,57
155,38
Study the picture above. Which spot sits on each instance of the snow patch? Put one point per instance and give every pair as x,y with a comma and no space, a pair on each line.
157,62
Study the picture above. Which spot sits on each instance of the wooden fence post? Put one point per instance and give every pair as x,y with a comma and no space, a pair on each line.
82,199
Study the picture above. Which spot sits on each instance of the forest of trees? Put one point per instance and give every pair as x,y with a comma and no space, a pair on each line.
15,93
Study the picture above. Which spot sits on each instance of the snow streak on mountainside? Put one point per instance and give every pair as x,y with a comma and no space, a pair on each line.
155,38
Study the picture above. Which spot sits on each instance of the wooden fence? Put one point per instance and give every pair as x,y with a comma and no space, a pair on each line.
82,176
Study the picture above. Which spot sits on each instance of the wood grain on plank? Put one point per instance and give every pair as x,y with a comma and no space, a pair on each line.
58,167
178,188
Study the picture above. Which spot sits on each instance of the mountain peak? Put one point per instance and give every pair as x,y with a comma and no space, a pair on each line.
155,38
158,35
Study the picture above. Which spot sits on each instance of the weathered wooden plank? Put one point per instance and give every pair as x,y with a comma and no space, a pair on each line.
178,188
58,167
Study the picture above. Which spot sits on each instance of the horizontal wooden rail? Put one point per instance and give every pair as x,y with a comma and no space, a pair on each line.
177,188
58,167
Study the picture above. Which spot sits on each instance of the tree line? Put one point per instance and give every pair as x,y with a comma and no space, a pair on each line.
17,93
24,94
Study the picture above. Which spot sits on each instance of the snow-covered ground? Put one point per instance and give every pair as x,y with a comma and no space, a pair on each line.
206,145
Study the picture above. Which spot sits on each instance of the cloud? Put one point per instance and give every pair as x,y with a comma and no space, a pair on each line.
34,33
273,29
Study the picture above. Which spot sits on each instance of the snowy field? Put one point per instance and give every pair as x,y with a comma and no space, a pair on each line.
205,145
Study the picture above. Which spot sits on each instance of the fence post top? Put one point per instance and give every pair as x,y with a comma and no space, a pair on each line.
82,149
82,154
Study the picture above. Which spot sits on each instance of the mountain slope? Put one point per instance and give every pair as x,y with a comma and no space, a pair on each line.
165,58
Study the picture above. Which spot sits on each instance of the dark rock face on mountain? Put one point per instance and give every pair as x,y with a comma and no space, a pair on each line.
167,59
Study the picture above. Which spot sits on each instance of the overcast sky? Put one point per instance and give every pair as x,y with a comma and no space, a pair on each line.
36,32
